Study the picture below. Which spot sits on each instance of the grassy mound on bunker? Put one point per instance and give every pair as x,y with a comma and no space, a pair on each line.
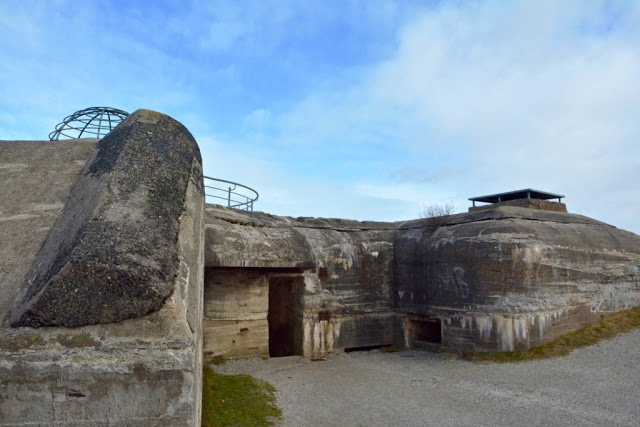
607,327
237,400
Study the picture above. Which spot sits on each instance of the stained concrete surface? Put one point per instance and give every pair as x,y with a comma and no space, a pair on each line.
138,372
344,269
36,178
497,279
598,385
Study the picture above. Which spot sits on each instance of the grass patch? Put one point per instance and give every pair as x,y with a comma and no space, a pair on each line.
219,360
607,327
237,400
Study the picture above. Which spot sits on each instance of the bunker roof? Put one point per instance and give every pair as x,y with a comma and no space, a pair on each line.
527,193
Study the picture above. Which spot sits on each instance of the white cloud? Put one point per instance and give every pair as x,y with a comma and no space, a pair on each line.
512,95
356,111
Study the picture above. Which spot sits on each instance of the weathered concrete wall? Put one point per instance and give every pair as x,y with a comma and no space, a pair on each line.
235,313
36,178
510,278
344,266
499,278
140,371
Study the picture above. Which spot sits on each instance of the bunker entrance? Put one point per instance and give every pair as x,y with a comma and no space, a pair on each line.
426,330
285,316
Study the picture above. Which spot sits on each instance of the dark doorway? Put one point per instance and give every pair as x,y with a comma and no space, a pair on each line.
285,316
426,330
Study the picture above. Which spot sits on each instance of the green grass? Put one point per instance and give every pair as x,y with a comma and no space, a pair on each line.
219,360
237,400
607,327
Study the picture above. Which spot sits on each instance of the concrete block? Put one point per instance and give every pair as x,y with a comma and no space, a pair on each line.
144,370
234,294
111,254
236,338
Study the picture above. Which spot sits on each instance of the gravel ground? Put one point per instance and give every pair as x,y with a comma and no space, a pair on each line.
598,385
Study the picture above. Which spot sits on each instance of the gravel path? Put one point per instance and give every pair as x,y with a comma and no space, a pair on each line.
598,385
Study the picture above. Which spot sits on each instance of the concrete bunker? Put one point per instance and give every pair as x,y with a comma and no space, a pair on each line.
277,286
486,280
511,275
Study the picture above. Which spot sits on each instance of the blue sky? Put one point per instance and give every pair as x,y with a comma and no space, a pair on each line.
354,109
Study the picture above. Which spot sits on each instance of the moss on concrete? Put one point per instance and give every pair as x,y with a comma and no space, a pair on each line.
20,342
79,341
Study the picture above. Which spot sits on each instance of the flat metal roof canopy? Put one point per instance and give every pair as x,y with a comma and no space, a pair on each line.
527,193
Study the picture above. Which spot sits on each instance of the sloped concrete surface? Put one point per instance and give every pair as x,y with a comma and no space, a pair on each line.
594,386
257,239
112,253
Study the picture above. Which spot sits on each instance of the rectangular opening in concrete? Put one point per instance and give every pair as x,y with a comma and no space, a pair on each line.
426,330
285,316
367,348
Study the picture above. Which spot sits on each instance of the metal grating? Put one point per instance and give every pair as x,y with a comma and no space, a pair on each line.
93,122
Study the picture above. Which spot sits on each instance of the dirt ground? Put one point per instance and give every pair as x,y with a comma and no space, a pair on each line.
598,385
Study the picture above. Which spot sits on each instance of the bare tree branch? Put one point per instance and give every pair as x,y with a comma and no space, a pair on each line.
437,214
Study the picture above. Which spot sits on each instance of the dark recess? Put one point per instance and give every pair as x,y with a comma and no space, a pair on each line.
426,330
285,316
366,348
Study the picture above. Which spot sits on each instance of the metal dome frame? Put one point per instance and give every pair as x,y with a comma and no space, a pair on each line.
92,122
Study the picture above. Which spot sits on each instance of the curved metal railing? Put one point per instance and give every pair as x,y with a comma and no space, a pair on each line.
235,195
